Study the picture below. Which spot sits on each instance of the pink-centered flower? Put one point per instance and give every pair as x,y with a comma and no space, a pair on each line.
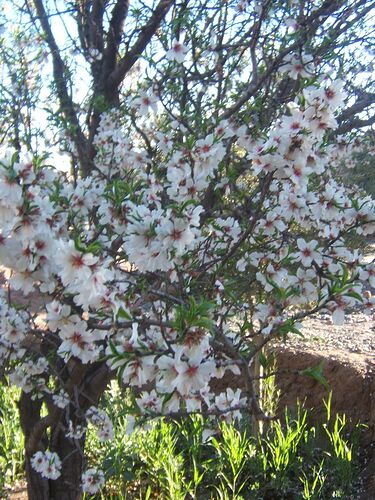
92,481
78,341
177,52
308,252
74,264
146,102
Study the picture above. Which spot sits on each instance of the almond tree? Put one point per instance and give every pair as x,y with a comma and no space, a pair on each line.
199,221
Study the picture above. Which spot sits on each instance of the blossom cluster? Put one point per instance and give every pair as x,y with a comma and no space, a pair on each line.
92,481
47,463
49,466
140,271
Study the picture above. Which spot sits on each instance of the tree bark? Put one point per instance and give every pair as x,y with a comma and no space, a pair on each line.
37,486
68,485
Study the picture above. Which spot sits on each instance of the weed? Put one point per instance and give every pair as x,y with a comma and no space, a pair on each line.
180,460
11,438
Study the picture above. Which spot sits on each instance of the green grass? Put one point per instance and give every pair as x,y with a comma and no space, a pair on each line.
176,460
11,438
180,460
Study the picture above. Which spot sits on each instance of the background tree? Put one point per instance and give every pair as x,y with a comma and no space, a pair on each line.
21,59
356,162
200,136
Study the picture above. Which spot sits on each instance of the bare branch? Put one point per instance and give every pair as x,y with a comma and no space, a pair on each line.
147,32
355,124
119,13
311,26
97,24
66,103
362,103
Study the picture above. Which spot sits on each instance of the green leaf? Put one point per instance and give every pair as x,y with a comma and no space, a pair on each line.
194,314
95,247
316,373
355,295
113,348
78,244
263,360
289,327
121,313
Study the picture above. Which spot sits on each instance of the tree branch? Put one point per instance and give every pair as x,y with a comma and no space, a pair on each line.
311,25
147,32
119,13
354,124
66,103
363,102
97,24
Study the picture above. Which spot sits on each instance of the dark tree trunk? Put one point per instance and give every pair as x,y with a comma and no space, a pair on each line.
37,486
42,433
68,485
70,452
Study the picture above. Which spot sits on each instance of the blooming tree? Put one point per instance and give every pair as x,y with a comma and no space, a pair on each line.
200,219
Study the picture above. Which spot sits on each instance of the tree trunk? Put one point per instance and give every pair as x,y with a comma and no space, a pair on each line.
70,452
257,373
37,486
68,485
